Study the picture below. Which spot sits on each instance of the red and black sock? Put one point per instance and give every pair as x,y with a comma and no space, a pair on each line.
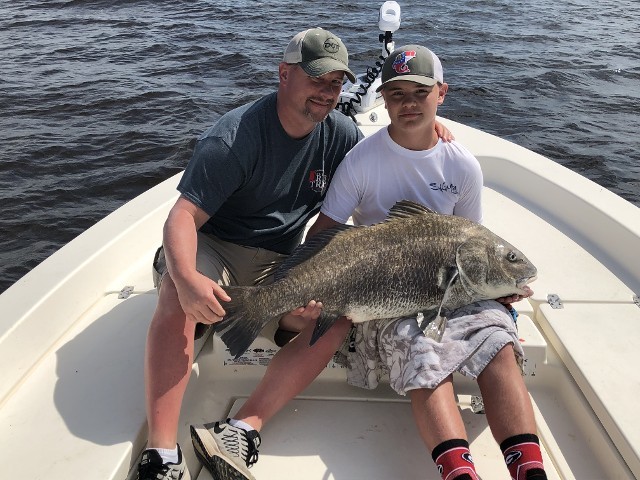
454,461
523,457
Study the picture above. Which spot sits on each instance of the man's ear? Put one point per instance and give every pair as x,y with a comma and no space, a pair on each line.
283,71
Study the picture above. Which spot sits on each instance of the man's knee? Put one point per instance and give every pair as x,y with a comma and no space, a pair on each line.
168,311
168,296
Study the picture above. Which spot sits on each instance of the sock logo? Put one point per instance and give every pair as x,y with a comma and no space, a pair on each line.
467,457
440,469
512,457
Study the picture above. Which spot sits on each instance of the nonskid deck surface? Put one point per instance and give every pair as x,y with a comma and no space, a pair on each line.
335,431
363,440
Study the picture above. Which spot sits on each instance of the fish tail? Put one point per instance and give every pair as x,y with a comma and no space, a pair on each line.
244,319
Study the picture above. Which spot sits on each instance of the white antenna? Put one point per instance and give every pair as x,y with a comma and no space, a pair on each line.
389,19
388,22
361,96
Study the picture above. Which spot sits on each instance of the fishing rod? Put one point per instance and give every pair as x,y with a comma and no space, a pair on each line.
361,96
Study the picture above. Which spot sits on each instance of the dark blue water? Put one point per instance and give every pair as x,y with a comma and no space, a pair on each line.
100,100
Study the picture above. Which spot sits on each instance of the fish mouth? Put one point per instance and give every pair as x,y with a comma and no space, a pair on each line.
523,285
523,282
525,291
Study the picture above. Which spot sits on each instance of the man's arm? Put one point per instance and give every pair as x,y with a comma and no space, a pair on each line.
443,132
197,293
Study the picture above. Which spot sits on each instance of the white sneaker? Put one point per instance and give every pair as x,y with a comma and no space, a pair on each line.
152,468
227,452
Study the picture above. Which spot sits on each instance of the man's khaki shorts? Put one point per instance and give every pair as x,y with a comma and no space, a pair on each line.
226,264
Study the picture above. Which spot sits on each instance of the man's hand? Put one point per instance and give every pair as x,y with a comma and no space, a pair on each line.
198,295
199,298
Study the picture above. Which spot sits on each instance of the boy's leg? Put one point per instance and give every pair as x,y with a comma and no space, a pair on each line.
422,369
436,414
442,430
503,390
510,415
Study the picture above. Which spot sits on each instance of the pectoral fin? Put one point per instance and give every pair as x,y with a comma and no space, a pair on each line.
325,322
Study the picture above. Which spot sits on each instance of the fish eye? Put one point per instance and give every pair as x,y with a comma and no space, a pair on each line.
512,256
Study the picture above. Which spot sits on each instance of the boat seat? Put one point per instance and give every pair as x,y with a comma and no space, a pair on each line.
593,331
596,342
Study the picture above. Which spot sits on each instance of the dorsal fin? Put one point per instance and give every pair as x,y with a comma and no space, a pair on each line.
406,209
308,249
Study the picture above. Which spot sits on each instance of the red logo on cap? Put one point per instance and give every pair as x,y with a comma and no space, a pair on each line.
400,63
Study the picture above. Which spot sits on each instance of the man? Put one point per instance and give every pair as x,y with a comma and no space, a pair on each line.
245,200
255,179
407,161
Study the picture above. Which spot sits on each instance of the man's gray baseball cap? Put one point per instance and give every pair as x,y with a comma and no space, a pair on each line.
413,63
318,51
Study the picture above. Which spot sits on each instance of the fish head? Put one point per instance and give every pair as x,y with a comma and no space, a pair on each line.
490,268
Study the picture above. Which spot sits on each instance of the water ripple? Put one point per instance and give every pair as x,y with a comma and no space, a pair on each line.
102,99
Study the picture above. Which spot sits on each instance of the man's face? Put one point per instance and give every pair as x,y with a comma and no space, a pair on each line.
312,97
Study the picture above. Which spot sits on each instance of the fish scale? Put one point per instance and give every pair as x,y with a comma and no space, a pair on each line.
415,261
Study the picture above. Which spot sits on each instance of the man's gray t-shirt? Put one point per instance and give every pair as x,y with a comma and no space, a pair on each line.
259,185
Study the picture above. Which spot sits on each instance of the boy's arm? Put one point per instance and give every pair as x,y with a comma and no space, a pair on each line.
322,223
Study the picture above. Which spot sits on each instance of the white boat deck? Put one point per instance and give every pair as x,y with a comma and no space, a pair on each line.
72,401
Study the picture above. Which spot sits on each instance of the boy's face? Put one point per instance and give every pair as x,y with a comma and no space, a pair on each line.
411,105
